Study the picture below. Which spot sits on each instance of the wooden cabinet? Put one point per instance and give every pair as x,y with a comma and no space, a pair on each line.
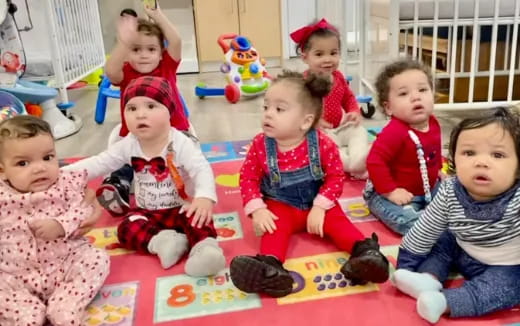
260,22
257,20
213,18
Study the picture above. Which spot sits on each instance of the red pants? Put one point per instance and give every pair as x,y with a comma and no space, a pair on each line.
291,220
136,235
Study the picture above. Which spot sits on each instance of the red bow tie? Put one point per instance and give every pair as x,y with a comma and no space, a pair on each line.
157,167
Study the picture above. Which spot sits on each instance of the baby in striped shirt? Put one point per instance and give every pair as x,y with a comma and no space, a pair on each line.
472,224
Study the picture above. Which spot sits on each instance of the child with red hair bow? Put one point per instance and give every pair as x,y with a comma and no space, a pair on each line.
319,46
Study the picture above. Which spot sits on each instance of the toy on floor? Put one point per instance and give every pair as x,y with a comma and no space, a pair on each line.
10,106
7,112
244,69
62,125
34,109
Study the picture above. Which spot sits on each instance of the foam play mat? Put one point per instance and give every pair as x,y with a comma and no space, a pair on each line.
139,292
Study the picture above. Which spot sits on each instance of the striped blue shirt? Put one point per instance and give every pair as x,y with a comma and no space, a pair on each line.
446,213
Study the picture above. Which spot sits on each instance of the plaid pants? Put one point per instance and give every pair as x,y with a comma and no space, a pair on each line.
135,235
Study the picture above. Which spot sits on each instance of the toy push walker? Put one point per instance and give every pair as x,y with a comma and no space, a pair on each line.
244,69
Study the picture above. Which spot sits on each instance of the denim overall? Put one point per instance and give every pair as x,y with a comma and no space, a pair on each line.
297,188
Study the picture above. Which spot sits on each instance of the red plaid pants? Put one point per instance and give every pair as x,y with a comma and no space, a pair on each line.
135,235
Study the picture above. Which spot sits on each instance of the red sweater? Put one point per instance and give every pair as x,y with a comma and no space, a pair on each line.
255,166
339,99
392,162
167,68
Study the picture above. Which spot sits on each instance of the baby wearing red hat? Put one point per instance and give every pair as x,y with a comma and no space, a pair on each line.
169,218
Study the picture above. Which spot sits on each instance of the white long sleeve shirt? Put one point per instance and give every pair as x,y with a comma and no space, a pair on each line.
150,192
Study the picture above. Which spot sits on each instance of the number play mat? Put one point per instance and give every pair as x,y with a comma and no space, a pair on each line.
139,292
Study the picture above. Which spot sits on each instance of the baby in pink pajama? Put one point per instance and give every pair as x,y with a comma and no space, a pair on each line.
45,272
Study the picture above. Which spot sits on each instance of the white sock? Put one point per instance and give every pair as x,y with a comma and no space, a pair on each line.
431,305
169,246
413,283
206,258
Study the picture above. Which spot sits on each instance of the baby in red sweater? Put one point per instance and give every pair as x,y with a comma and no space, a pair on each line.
405,160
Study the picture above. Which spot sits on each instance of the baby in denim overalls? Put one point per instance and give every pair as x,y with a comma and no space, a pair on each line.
290,182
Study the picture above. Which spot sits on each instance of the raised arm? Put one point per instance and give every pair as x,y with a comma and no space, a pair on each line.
171,34
105,162
126,32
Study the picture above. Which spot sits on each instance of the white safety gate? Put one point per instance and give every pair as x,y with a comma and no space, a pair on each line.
471,45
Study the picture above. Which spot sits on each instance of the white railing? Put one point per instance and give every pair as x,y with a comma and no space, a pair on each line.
472,46
473,50
76,41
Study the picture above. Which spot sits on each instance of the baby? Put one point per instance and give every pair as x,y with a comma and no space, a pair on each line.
45,273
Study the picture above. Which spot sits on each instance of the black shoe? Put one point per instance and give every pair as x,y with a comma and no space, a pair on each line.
114,196
366,263
260,273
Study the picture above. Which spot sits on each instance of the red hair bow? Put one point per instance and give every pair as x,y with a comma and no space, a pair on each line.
300,36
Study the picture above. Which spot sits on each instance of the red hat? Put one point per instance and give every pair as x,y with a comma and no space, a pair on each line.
156,88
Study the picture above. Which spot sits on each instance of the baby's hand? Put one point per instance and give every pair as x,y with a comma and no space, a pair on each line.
201,209
323,124
152,12
263,220
127,29
442,175
89,222
399,196
353,118
48,229
315,221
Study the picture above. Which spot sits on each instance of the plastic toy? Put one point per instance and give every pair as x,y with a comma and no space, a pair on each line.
10,107
95,77
11,62
370,109
7,112
34,109
244,69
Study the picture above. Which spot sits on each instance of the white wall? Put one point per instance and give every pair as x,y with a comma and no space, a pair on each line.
299,13
36,42
180,12
340,13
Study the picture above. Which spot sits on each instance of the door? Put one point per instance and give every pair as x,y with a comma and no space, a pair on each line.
212,19
260,22
180,12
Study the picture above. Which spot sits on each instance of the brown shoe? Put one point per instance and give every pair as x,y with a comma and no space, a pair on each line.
260,273
366,263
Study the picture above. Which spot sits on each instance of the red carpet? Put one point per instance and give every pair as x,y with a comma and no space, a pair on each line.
152,295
